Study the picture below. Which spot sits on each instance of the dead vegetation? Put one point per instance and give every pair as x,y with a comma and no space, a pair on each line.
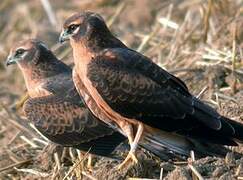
200,41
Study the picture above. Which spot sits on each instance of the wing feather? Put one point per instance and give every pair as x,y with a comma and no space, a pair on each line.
137,88
71,124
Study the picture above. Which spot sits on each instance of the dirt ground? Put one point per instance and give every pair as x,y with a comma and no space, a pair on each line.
199,41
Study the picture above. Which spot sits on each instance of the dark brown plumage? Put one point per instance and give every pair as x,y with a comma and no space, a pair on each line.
54,106
123,87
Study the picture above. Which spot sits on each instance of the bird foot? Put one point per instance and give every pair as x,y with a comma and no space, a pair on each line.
90,169
130,156
89,164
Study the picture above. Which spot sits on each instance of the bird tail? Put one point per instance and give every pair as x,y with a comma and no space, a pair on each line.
238,129
167,145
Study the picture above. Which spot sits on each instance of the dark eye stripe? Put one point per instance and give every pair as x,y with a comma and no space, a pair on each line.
19,51
72,28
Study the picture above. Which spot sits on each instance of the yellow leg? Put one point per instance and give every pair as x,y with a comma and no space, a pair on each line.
22,100
134,144
89,163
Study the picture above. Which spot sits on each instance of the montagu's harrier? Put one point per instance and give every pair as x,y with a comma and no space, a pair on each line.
54,106
131,93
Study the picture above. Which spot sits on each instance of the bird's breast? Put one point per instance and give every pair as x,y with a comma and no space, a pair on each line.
35,89
34,83
95,102
85,94
38,91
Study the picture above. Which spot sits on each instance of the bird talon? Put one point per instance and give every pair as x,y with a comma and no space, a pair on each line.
89,163
134,158
130,156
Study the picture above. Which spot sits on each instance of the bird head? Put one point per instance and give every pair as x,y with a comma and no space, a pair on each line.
37,63
26,53
81,25
90,30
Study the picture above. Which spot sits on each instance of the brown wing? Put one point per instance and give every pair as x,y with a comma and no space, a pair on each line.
136,88
71,124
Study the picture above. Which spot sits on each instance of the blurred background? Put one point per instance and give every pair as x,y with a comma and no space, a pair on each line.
200,41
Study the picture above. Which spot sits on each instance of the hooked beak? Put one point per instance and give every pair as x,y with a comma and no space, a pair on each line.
10,60
64,36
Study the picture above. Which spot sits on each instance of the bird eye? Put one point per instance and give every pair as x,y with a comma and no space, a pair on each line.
72,28
19,52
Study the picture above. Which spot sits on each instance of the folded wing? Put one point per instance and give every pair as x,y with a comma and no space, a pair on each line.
71,124
137,88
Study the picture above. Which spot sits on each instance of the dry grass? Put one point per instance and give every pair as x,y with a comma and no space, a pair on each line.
199,41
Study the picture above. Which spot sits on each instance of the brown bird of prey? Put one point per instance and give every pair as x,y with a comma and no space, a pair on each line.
54,106
128,91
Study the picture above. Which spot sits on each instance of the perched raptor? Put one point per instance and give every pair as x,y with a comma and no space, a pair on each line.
131,93
54,106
